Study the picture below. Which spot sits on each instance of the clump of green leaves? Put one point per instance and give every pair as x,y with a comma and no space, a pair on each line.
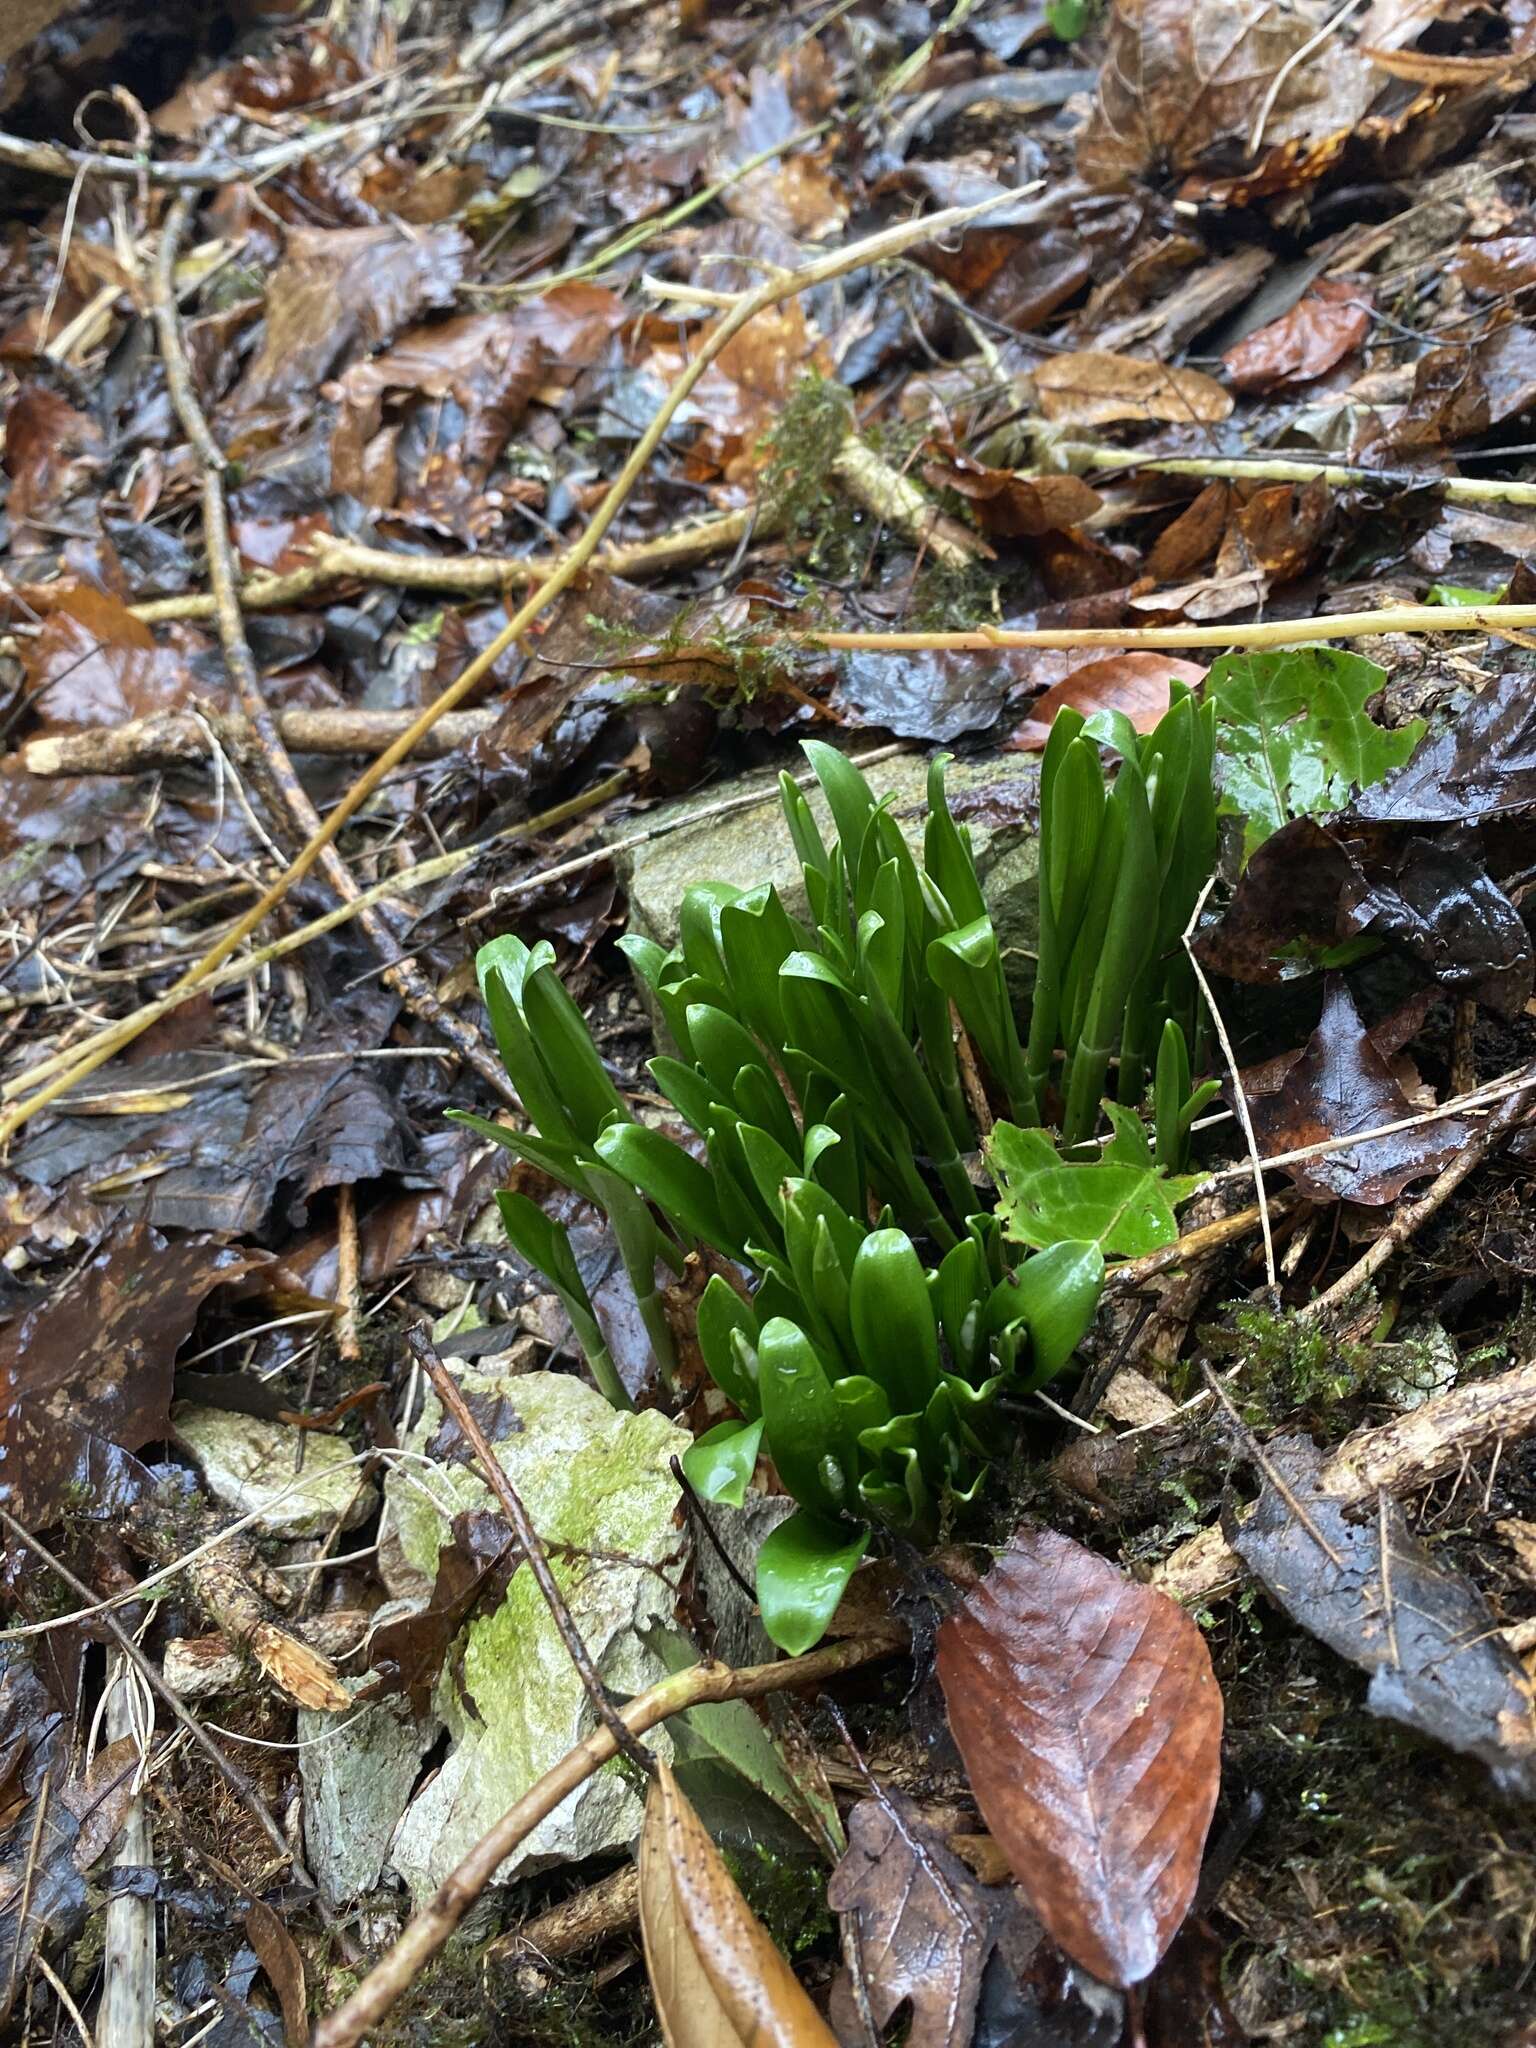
1122,864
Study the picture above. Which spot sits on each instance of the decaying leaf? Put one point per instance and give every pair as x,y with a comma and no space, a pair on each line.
1182,75
1090,1720
717,1978
86,1374
1009,506
968,1958
1365,1585
1090,387
1338,1084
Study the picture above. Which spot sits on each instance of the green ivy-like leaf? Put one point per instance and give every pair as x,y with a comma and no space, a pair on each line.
1123,1205
1292,735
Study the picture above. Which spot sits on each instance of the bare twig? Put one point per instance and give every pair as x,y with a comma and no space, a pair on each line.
126,2014
1463,490
231,1773
168,739
430,1930
874,249
290,795
51,160
1195,1244
1392,618
1240,1099
507,1495
1411,1217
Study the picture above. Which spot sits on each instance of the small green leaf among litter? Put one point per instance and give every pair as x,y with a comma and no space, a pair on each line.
1122,1202
1293,738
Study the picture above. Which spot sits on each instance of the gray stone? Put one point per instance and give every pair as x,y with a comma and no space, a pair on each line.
248,1465
995,797
357,1778
599,1481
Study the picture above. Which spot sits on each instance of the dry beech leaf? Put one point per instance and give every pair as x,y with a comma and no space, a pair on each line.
1089,1719
1136,684
1090,387
717,1978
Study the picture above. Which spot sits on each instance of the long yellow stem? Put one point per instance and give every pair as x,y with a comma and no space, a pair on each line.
1399,618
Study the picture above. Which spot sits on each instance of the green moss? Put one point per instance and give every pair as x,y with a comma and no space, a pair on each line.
798,495
787,1893
1288,1367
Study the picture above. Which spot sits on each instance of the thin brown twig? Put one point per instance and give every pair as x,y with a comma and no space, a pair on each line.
874,249
700,1685
289,796
495,1476
230,1772
52,160
1255,1451
1410,1217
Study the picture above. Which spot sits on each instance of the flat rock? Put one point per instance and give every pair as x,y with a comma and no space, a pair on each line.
357,1778
590,1477
247,1464
995,797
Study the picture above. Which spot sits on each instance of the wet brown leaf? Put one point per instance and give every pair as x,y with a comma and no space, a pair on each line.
92,663
1458,393
52,451
1090,1720
1009,506
717,1979
100,1800
1190,541
1320,330
1091,387
338,291
1502,263
1276,530
1338,1084
278,1954
1135,683
1367,1587
967,1957
42,1894
85,1374
1182,75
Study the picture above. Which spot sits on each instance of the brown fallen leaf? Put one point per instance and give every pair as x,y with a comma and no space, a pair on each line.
1009,506
1182,75
1340,1083
1329,323
1090,387
1135,683
717,1978
1089,1719
967,1958
278,1954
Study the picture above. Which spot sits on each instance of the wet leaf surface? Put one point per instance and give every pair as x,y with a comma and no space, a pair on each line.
1321,329
1134,683
86,1372
968,1961
1091,387
1338,1084
1089,1719
715,1974
1364,1584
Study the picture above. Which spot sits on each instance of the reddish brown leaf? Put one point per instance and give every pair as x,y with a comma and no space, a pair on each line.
1319,331
1340,1083
51,452
1090,1720
1276,530
1504,263
341,290
1190,541
1091,387
1136,684
1010,506
278,1954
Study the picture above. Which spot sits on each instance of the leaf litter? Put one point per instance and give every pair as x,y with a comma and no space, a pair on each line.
426,337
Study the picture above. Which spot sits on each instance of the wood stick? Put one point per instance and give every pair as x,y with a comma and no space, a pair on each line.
1400,618
125,2018
170,739
1462,490
877,248
428,1933
1397,1457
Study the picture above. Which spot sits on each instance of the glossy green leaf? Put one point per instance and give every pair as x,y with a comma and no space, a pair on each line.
1124,1209
1293,737
719,1464
803,1570
806,1432
679,1186
722,1318
891,1307
1055,1293
570,1058
546,1246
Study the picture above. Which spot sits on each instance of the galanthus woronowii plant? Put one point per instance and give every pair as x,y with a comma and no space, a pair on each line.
883,1302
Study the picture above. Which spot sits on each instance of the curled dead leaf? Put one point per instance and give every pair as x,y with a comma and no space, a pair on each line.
1136,684
717,1978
